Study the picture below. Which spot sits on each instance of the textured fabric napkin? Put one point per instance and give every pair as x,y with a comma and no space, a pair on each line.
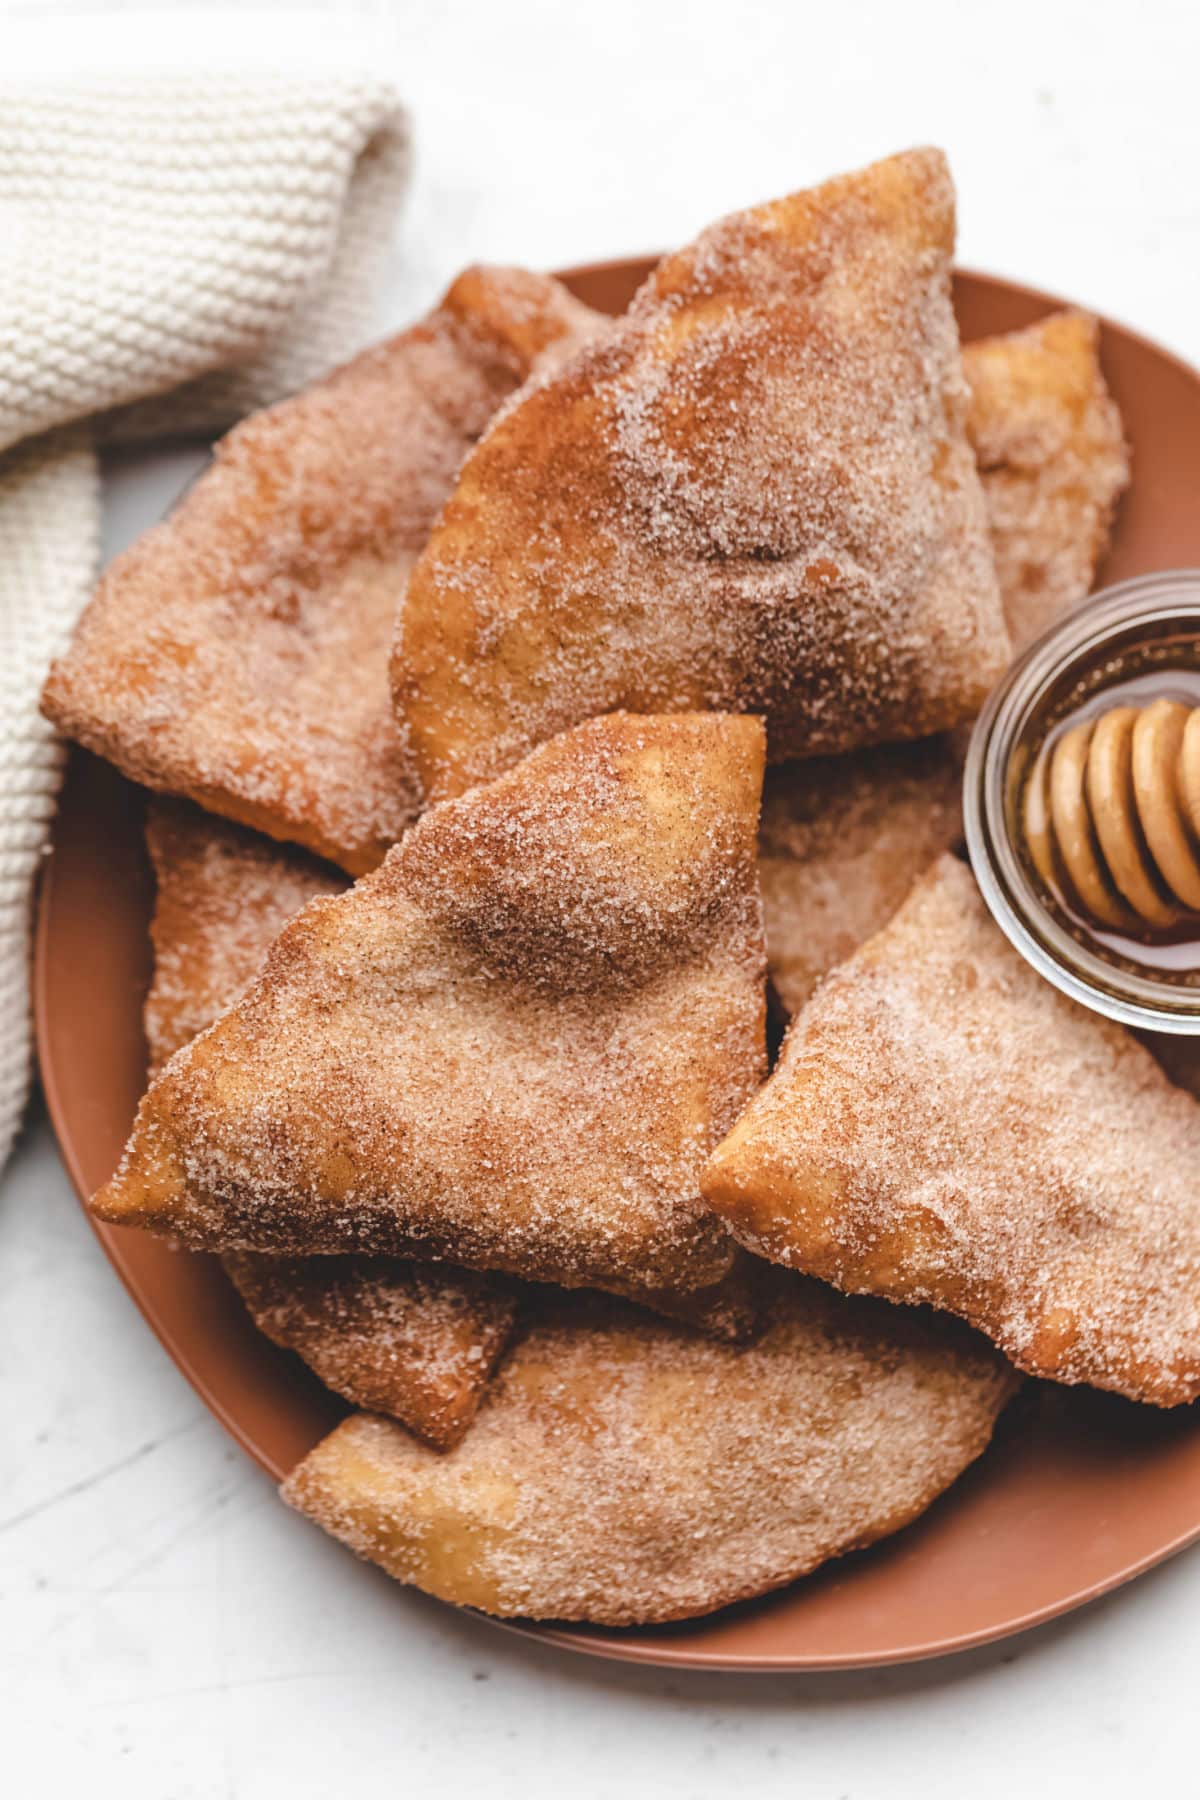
190,229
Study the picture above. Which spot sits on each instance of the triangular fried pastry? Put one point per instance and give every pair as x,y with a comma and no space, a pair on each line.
754,491
222,895
512,1046
412,1340
622,1472
409,1339
237,653
1052,456
944,1126
841,842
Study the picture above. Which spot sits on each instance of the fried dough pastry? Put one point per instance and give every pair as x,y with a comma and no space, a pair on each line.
945,1126
237,653
512,1046
844,838
1052,456
222,894
412,1340
622,1472
841,842
403,1338
753,491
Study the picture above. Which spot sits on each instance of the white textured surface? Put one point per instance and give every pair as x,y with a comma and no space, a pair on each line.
166,1629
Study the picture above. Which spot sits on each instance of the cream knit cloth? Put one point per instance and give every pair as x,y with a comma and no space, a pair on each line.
175,248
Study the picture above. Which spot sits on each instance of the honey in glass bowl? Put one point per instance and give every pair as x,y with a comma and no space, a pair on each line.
1082,803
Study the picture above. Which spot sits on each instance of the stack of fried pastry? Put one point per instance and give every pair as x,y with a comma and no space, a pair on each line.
510,620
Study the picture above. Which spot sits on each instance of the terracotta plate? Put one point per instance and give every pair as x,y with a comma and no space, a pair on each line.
1079,1492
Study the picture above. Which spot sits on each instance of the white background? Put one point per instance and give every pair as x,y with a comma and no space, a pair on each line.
167,1629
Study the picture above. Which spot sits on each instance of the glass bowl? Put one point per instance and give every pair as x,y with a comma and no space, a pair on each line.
1152,609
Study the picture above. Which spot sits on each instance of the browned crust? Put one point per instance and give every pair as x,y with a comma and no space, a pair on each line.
222,895
237,653
621,1472
1052,455
510,1047
841,842
843,838
411,1340
754,492
944,1127
416,1342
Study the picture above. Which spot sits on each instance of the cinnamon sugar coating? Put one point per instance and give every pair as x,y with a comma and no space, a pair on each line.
622,1472
512,1046
844,838
402,1338
1052,456
237,653
222,895
754,491
946,1127
411,1340
841,842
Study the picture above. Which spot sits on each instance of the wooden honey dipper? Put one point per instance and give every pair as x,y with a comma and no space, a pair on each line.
1115,805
